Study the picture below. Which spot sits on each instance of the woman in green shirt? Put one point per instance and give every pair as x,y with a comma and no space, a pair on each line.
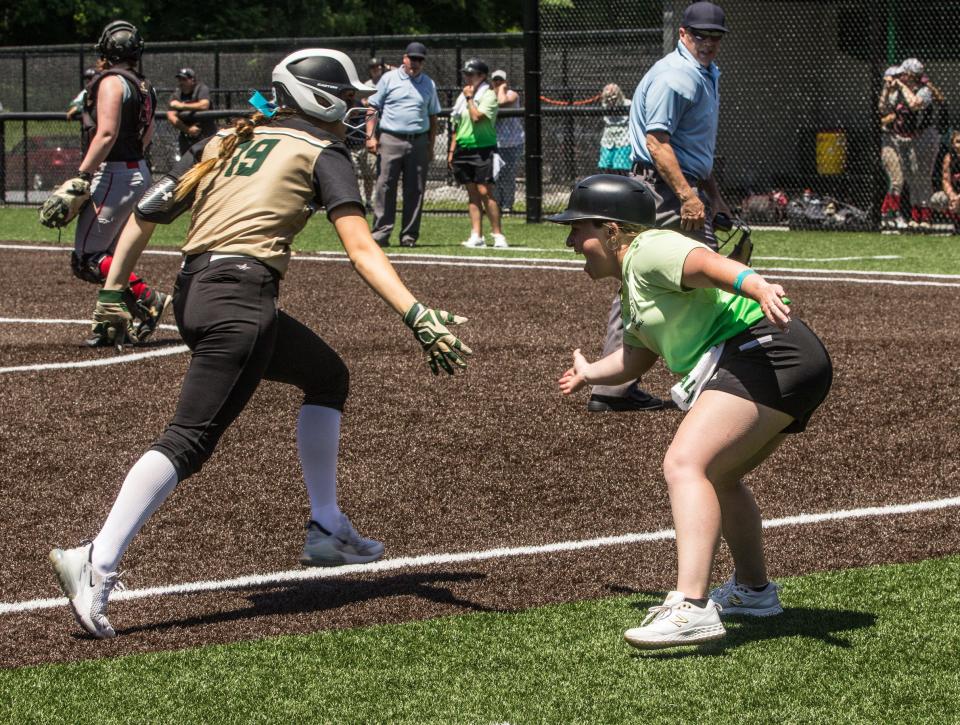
754,375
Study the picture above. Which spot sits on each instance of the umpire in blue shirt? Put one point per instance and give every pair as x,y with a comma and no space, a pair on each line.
673,134
408,105
673,126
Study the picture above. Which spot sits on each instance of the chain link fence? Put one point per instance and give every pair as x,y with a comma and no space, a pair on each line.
800,136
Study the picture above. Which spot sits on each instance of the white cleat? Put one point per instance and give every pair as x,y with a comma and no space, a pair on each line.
675,623
335,548
474,242
734,598
87,591
500,242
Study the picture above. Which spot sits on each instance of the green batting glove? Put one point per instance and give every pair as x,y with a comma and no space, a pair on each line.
441,346
110,318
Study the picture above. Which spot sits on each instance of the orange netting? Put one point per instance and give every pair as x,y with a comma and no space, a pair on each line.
584,102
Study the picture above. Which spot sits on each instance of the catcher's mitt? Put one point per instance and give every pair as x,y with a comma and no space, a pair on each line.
65,203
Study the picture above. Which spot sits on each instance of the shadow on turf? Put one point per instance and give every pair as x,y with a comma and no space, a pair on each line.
824,625
322,595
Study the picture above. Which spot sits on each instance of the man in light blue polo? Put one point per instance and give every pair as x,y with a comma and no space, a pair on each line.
673,126
408,105
673,134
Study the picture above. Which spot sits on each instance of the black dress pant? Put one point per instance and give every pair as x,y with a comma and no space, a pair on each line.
227,313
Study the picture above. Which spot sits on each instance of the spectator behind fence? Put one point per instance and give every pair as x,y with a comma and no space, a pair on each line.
947,199
376,67
914,138
191,97
76,105
408,105
472,149
891,218
615,141
509,143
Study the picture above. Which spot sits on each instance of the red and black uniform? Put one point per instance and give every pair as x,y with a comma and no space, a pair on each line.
119,182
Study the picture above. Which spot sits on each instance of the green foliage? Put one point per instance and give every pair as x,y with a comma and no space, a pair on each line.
34,22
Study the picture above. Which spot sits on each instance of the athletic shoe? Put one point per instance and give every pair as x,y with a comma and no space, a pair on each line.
635,399
102,338
734,598
677,622
343,546
148,314
408,242
87,591
474,242
900,223
500,242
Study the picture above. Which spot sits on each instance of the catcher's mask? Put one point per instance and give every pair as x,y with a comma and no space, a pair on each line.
315,80
609,197
120,40
729,230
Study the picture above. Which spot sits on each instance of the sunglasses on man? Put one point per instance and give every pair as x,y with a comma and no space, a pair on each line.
702,35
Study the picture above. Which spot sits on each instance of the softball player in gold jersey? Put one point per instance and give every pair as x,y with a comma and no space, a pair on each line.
251,189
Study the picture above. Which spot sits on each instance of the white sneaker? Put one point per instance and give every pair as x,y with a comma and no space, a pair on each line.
500,242
900,223
474,241
88,591
343,546
733,598
677,622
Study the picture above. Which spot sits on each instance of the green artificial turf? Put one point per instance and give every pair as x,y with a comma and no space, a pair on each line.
443,234
868,645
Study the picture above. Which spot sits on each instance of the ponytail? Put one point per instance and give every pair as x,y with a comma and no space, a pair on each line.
242,132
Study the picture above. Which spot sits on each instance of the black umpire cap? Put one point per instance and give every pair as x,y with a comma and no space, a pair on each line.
612,198
704,16
416,50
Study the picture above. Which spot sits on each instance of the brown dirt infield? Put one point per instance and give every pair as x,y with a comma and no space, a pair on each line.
434,465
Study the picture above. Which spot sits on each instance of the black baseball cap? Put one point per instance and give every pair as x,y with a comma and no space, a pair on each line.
704,16
416,50
186,73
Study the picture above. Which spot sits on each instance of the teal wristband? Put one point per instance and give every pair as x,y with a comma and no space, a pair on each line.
738,282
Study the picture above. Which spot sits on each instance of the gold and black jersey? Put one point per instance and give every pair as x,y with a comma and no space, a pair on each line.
256,201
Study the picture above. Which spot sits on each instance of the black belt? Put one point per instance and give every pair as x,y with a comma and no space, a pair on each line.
639,169
405,136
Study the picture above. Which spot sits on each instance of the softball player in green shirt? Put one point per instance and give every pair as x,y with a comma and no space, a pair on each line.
753,375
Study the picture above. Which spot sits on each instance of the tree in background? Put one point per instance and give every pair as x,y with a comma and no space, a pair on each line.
44,22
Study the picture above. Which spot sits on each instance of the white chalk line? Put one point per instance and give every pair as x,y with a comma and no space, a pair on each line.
527,262
428,560
95,363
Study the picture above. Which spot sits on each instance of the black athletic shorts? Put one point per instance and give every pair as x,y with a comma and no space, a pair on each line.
787,371
226,311
473,166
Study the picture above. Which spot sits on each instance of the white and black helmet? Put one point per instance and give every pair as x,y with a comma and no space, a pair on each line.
313,80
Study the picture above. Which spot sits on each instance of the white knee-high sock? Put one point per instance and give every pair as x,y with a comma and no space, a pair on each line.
318,442
146,486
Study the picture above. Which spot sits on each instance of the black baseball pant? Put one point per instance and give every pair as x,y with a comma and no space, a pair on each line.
226,311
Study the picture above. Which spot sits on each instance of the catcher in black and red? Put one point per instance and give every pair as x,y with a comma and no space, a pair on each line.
117,127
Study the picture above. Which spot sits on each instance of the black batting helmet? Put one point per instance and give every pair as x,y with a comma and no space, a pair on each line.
120,40
475,65
612,198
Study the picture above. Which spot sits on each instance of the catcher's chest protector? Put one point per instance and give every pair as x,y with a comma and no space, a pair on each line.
134,122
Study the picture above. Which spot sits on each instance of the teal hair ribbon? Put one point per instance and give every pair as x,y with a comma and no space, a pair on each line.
262,104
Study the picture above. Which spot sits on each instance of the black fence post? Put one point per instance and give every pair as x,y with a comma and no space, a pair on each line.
3,162
216,69
531,113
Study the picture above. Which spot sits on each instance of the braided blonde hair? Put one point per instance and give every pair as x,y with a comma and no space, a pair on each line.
243,132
